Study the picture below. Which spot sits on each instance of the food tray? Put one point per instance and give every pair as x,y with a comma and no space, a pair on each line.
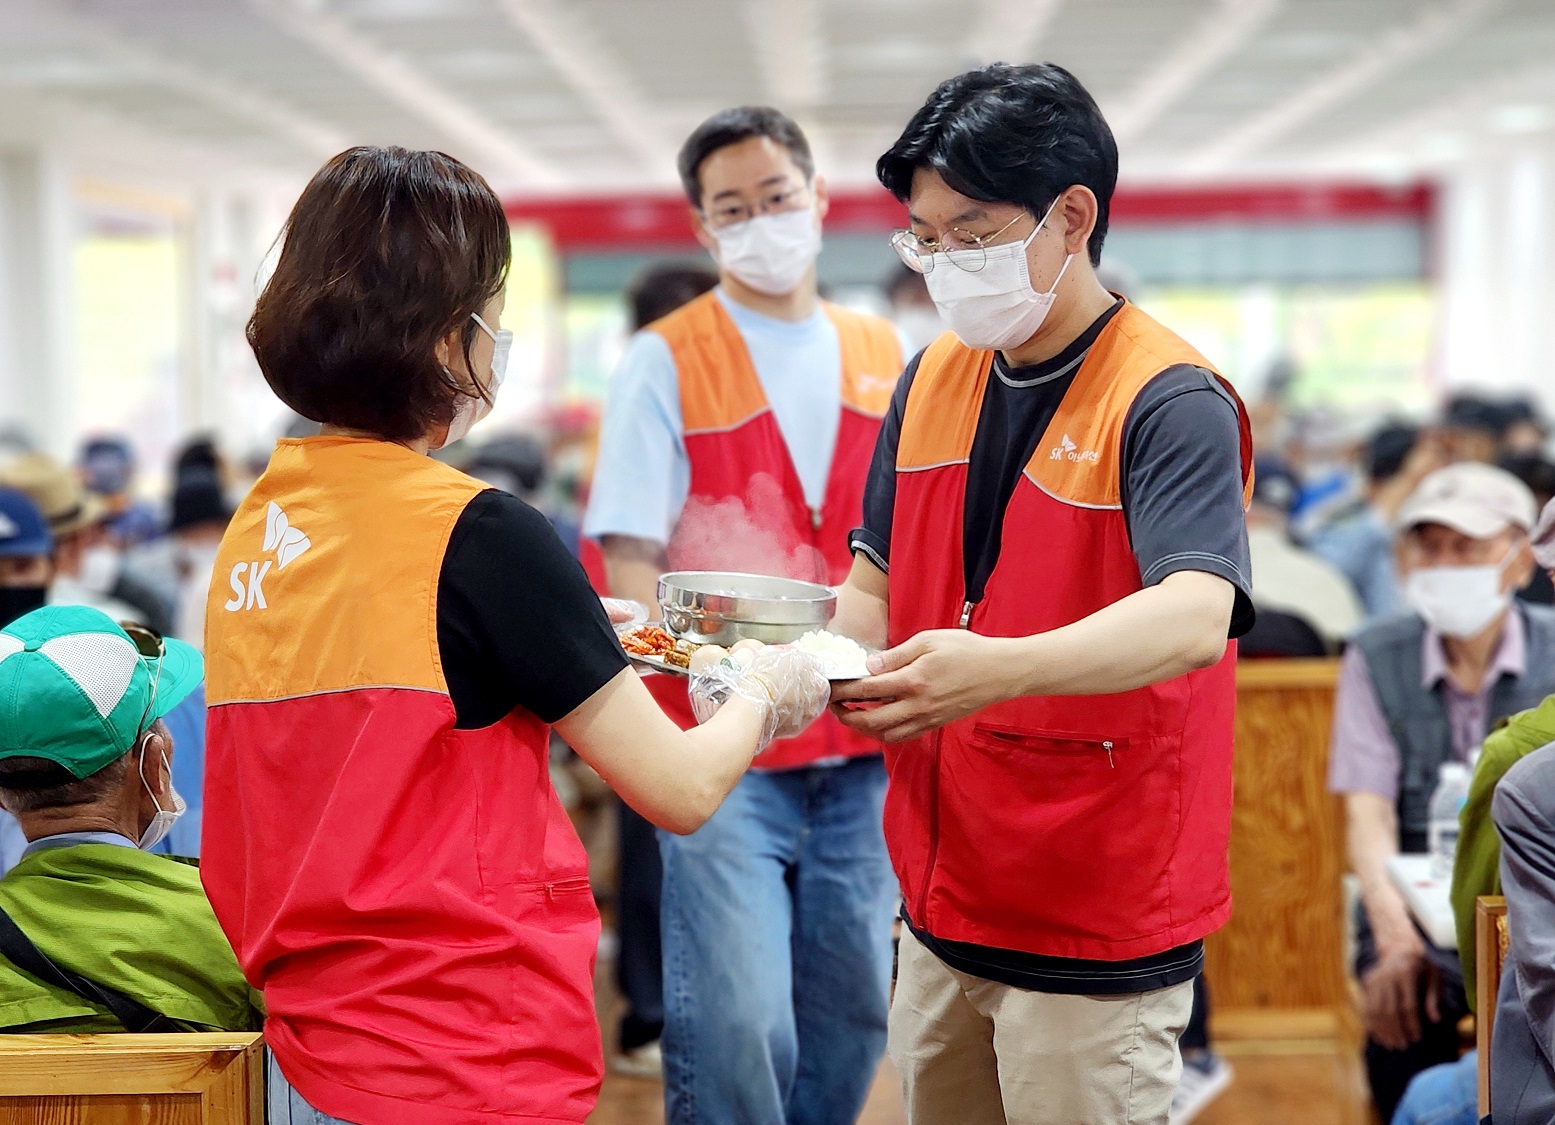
658,664
722,607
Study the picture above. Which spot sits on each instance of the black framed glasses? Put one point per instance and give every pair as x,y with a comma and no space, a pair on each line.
791,198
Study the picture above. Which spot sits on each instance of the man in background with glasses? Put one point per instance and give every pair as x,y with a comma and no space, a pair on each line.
738,436
96,934
1054,543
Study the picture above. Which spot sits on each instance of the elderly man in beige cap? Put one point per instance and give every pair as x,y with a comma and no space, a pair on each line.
87,569
1418,691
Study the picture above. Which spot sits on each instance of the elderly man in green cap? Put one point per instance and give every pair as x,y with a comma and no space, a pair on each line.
95,933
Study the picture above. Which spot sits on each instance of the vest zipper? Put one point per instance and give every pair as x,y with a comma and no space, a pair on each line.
1107,746
816,519
966,615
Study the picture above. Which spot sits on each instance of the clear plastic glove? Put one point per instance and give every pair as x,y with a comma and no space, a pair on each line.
790,685
624,615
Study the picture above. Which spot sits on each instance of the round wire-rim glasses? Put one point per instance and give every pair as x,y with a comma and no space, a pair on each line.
919,255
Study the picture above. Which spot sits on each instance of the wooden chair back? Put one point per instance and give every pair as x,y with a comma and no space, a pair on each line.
1491,940
197,1079
1276,971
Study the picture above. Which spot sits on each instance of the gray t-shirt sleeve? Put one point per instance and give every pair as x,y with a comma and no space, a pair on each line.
1182,484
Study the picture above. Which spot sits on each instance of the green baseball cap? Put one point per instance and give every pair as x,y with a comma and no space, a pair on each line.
78,689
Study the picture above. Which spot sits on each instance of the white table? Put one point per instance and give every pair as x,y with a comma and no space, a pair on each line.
1428,898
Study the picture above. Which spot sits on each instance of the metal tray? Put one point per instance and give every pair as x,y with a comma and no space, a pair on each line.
722,607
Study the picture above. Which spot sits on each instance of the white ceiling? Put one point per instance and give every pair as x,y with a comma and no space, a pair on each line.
581,95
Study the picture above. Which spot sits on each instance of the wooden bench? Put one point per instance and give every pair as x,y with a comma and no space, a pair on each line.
201,1079
1491,940
1276,971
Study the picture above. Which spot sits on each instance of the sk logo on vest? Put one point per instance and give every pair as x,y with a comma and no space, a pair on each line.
247,578
1066,450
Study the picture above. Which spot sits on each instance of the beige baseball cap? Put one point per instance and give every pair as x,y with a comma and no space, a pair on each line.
1544,538
1478,500
67,506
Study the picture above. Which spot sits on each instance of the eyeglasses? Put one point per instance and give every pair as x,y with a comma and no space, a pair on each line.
149,646
966,251
728,214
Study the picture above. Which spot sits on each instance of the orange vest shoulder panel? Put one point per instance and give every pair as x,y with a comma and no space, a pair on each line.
718,384
1080,458
719,388
943,405
327,577
871,359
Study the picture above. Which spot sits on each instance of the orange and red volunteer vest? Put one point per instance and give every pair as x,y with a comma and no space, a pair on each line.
411,898
1088,827
746,509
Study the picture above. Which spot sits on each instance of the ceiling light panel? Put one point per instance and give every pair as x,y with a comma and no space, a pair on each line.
680,50
1303,40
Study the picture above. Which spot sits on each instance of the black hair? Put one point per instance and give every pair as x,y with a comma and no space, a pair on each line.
1533,470
1472,412
1010,134
663,287
516,459
1388,449
730,127
386,252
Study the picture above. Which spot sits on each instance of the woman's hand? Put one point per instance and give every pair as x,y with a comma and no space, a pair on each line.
789,685
935,678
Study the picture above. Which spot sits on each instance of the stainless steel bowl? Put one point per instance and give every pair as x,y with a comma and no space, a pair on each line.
720,607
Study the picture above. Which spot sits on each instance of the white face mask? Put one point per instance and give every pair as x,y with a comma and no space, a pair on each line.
996,306
99,569
472,410
162,820
1458,601
770,253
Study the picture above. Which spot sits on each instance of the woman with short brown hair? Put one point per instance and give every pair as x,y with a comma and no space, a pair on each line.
388,643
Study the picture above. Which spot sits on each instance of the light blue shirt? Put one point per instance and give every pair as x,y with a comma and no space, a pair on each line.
643,476
12,842
71,839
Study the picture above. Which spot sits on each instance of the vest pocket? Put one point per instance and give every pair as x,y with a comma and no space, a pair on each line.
553,1048
1063,839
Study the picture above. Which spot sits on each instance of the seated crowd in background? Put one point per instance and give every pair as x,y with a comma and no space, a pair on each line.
1416,691
1406,549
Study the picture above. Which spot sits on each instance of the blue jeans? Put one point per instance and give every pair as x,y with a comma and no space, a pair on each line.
285,1106
777,920
1442,1095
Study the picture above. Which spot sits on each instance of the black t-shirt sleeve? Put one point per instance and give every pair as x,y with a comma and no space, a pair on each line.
517,623
873,539
1182,484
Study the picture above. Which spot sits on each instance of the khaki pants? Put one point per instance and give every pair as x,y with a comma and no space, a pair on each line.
973,1052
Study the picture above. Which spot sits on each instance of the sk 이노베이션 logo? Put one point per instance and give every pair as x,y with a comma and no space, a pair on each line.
1066,450
247,579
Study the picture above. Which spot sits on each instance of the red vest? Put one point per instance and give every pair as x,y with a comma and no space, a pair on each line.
746,509
1092,827
412,899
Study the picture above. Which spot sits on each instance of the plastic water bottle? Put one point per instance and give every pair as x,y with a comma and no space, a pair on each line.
1452,790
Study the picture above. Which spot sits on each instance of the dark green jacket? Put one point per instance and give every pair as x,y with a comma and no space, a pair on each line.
132,921
1477,869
